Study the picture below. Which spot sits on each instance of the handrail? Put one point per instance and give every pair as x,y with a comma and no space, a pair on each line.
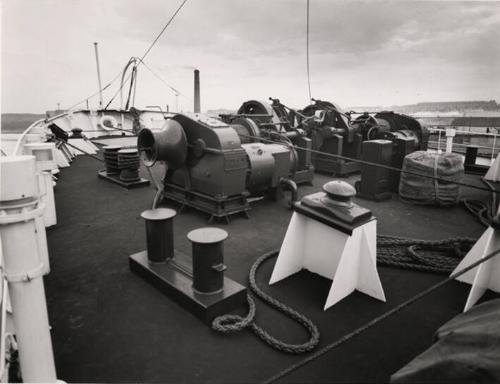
27,130
459,131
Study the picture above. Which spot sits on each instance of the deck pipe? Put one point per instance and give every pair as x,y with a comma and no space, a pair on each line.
208,259
292,187
159,234
20,211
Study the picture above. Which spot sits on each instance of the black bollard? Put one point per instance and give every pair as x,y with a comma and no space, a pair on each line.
159,234
470,155
208,259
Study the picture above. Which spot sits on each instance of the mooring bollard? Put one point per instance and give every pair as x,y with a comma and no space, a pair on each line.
159,234
208,259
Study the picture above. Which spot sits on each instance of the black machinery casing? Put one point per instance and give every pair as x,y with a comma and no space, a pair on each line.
389,137
272,122
217,172
331,133
376,181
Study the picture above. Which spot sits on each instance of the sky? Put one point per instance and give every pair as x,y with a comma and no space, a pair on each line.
362,53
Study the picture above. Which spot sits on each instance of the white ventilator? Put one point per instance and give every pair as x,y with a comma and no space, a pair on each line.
25,259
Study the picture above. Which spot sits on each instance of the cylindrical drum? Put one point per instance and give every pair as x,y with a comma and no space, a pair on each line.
111,159
208,259
128,163
159,234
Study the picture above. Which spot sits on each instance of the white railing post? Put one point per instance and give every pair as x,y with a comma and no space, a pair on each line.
439,141
450,134
493,148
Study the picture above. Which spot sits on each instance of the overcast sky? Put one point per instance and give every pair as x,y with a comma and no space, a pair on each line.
361,53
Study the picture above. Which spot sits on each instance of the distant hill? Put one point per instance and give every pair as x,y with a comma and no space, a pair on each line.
435,107
18,122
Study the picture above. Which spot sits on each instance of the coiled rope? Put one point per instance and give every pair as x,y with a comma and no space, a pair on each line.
234,323
440,256
393,251
378,319
481,209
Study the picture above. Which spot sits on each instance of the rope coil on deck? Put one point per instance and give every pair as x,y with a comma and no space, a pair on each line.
436,256
235,323
442,257
378,319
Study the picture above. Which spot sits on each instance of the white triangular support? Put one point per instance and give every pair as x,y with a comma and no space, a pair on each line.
350,261
493,173
486,275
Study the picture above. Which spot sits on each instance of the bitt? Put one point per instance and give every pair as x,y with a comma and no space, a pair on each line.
335,238
199,286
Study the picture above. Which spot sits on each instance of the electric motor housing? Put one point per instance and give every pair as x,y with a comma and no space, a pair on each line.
209,168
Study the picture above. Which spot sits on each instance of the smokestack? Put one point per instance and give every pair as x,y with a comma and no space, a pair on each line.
196,91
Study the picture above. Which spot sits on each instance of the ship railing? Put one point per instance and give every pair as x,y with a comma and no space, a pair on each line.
446,141
21,141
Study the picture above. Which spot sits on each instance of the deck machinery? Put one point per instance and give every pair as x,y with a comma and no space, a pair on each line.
274,122
331,133
323,127
214,166
339,134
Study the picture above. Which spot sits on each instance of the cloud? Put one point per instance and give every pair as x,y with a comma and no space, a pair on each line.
361,52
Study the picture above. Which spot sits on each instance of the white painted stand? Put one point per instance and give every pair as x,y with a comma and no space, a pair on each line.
486,275
350,261
450,134
493,173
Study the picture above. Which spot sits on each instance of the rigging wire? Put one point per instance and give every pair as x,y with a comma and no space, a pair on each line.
307,53
163,81
141,60
163,30
96,93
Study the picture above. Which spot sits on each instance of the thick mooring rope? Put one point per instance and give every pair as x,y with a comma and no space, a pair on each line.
400,252
440,256
378,319
234,323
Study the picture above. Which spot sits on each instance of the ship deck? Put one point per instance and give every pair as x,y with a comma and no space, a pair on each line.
110,325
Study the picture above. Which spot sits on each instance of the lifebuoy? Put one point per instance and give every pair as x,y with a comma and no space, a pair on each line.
112,124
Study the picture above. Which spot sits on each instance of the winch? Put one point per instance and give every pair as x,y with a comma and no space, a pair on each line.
331,132
388,138
334,132
273,121
210,168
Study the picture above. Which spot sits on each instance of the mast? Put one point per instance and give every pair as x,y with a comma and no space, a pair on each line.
98,74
